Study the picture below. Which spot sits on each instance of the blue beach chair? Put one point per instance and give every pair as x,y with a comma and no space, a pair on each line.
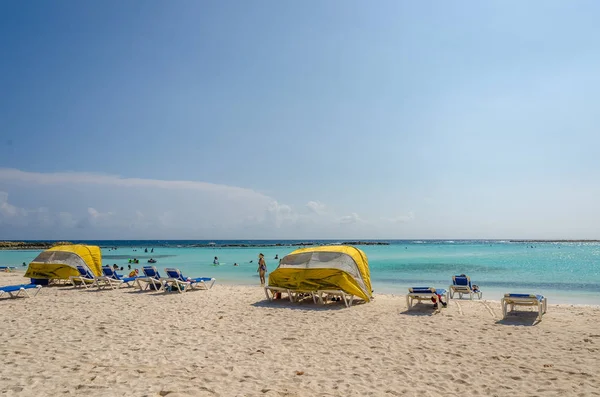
462,285
85,278
511,300
112,277
424,293
151,278
177,281
14,291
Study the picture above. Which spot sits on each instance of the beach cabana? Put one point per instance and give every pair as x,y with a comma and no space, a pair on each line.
61,262
331,270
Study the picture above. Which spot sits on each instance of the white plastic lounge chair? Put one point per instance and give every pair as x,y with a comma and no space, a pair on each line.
275,290
424,294
84,279
151,278
462,285
327,293
14,291
298,294
511,300
177,281
113,277
293,294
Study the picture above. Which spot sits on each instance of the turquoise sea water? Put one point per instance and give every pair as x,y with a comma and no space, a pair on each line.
564,272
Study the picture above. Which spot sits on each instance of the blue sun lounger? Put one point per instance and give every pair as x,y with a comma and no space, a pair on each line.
511,300
84,279
462,285
152,279
177,281
424,294
15,291
111,277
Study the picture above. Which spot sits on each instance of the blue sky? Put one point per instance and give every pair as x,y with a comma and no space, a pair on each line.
336,119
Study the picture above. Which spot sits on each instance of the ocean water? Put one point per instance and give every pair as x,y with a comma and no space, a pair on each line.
563,272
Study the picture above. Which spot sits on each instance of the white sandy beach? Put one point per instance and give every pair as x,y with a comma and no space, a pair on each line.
230,341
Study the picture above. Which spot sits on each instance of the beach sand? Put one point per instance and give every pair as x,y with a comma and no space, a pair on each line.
230,341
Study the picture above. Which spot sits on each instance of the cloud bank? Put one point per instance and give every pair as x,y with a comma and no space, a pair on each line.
73,205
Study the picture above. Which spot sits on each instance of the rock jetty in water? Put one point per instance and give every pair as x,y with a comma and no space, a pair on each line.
30,245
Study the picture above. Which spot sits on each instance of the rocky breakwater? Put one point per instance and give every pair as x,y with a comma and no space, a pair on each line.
365,243
303,244
30,245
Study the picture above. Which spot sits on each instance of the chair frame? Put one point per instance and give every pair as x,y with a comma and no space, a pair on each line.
275,290
462,289
112,276
83,280
422,295
156,282
346,297
188,285
21,291
509,301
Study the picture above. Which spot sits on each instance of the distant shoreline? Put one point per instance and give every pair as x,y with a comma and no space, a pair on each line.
30,245
42,245
554,241
35,245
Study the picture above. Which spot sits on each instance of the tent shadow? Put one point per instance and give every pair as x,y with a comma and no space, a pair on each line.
520,318
304,304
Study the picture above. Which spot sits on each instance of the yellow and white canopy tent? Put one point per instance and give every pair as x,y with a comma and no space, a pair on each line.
333,267
60,262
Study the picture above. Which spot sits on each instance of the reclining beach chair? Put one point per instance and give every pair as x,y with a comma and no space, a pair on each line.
177,281
112,277
324,294
14,291
277,290
511,300
424,294
85,278
462,285
293,294
7,269
151,278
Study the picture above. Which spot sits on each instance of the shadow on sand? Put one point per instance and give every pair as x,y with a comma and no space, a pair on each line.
304,304
421,309
520,318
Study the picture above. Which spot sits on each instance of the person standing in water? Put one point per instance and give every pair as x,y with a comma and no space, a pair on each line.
262,268
216,261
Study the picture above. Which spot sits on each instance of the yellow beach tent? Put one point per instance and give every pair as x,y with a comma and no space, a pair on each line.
340,267
61,261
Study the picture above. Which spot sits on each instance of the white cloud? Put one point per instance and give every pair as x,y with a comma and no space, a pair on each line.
96,206
401,218
316,206
278,215
9,210
82,178
349,219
